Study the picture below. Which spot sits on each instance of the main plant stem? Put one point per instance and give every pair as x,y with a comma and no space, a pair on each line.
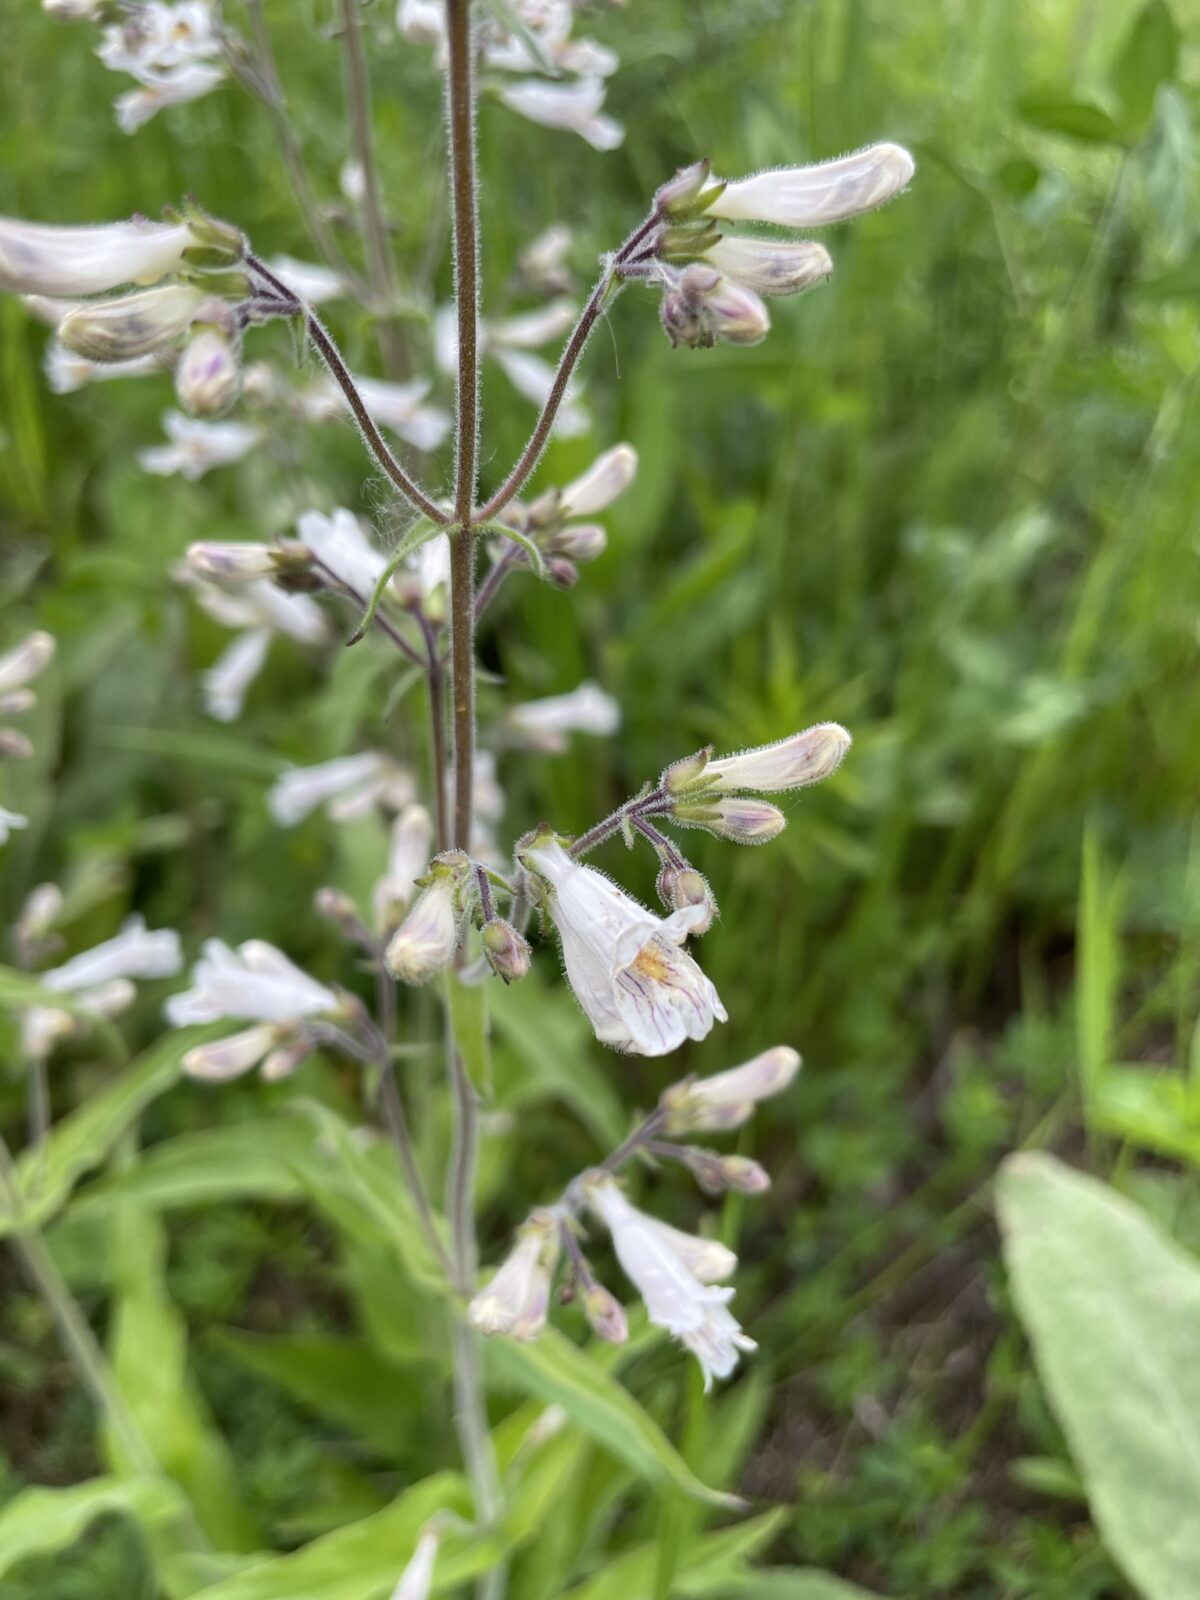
470,1404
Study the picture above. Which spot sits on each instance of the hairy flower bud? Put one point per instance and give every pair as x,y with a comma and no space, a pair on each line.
771,266
744,1176
733,818
790,763
337,908
728,311
605,1314
234,562
228,1058
506,950
578,541
727,1099
425,942
679,195
679,887
607,478
516,1300
132,324
809,197
208,378
563,574
687,773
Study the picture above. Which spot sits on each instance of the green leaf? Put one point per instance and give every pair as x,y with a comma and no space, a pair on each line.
468,1007
1112,1307
40,1522
84,1138
787,1583
148,1349
365,1560
344,1379
1148,58
704,1564
1076,119
558,1372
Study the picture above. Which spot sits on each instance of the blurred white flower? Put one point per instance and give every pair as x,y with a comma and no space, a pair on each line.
605,480
38,259
22,664
417,1578
168,50
276,1048
311,281
66,372
342,543
10,822
517,1298
425,942
197,447
135,107
409,844
727,1099
812,196
543,262
543,725
791,763
770,266
347,787
573,106
352,181
257,983
401,407
226,683
208,374
126,326
507,343
135,952
675,1274
640,990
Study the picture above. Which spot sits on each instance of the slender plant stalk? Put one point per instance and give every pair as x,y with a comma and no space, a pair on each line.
381,265
384,624
648,805
470,1405
437,745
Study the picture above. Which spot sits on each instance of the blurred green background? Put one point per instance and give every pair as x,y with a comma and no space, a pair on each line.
952,502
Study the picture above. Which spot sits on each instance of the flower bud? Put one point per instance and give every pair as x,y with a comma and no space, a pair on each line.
42,909
22,665
228,1058
744,1176
336,907
130,325
14,745
208,378
579,541
727,311
517,1298
727,1099
605,1314
233,562
506,950
563,574
38,259
812,196
607,478
791,763
425,942
682,322
285,1058
771,266
679,887
734,818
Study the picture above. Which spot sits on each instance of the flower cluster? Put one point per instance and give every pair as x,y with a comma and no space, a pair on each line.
714,283
18,669
679,1276
535,68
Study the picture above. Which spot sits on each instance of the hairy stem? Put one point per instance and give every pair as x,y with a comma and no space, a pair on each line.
381,265
647,805
437,744
607,286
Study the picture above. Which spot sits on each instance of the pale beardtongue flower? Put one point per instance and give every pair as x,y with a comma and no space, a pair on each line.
307,279
814,196
641,991
42,1027
22,664
425,942
226,683
192,81
544,724
196,447
169,51
517,1298
255,983
791,763
727,1099
733,818
341,542
348,787
605,480
530,375
40,259
402,408
135,952
675,1273
543,263
259,610
277,1049
409,844
771,266
208,376
67,372
575,107
11,822
417,1578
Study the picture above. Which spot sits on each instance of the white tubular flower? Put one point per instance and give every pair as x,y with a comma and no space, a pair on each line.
422,21
734,818
531,329
22,665
208,377
544,724
417,1578
401,407
197,447
38,259
341,542
661,1262
516,1300
352,181
226,683
641,992
573,106
159,37
348,786
812,196
311,282
66,372
771,266
234,561
533,378
135,952
791,763
408,858
224,1059
71,10
192,81
130,325
11,822
727,1099
425,942
605,480
257,983
543,263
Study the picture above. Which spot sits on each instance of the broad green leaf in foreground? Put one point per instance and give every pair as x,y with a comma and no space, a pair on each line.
40,1522
1112,1307
708,1563
560,1373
